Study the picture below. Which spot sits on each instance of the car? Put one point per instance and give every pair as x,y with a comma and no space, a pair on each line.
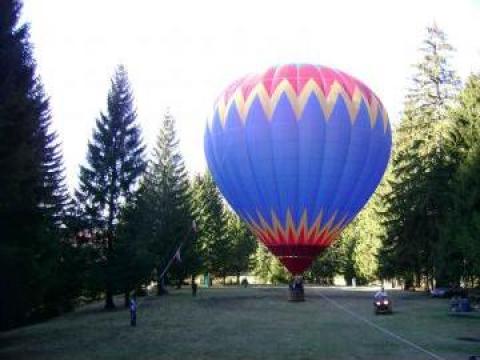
441,292
448,292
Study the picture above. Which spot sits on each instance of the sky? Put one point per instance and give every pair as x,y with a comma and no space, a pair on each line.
180,55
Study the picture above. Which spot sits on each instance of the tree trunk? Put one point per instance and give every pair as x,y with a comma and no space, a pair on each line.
161,290
238,278
409,282
418,277
127,298
109,304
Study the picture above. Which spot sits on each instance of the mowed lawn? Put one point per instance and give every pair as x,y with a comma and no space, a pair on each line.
252,323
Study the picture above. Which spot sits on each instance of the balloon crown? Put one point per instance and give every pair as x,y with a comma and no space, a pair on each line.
298,83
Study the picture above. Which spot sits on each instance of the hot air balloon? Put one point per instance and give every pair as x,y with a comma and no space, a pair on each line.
297,151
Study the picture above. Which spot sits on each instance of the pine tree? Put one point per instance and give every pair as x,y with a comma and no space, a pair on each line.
435,84
421,170
133,261
327,265
268,268
210,217
465,117
459,231
167,191
370,233
242,245
33,192
115,161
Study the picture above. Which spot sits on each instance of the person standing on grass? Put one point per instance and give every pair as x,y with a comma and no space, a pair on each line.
133,311
194,288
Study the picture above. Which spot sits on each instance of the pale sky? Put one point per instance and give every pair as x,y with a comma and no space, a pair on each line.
181,54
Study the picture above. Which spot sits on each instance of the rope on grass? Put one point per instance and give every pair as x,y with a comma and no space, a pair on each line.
385,331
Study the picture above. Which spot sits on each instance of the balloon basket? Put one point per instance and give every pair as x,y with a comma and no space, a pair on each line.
296,295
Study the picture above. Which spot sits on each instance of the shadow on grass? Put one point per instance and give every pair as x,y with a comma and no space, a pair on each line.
11,339
240,301
470,339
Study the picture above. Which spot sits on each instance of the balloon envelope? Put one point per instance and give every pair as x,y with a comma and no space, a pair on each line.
297,151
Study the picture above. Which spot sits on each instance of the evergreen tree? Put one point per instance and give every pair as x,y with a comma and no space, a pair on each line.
209,214
460,244
435,84
421,170
465,129
242,245
463,224
370,234
346,245
32,193
354,253
115,161
340,257
327,265
268,268
133,261
167,194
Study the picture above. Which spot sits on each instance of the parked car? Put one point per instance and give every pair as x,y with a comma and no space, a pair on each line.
441,292
448,292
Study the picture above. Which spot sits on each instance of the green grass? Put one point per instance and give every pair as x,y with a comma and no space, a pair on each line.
237,323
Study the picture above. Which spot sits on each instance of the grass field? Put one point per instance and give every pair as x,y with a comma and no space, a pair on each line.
252,323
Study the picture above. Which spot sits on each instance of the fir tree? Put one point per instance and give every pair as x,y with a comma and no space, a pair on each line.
133,261
115,161
268,268
167,193
327,265
210,217
435,84
421,170
465,117
370,233
32,193
242,245
459,240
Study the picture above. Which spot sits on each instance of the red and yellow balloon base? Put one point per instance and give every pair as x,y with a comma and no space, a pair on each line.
296,258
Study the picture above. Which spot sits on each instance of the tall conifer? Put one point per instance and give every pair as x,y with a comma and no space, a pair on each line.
166,193
421,171
115,161
32,189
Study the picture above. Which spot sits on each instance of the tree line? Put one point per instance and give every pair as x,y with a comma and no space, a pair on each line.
431,200
128,216
132,211
421,225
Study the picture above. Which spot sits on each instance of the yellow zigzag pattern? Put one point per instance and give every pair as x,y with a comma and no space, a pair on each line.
279,231
298,102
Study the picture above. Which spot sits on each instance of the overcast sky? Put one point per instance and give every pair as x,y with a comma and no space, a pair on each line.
181,54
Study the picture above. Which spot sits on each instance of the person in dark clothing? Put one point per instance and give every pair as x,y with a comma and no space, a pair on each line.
133,311
194,288
298,283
